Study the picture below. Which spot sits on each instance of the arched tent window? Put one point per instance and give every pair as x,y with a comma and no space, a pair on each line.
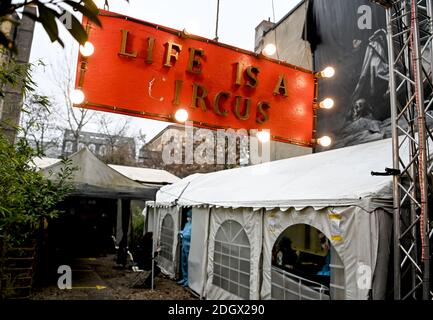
305,266
232,259
167,237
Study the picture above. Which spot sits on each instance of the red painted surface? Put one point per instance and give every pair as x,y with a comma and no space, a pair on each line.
112,80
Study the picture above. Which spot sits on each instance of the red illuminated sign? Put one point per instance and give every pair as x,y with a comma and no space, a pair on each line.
145,70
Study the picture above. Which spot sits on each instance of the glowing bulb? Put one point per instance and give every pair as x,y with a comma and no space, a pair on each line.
77,96
328,103
88,49
324,141
270,49
263,136
329,72
181,115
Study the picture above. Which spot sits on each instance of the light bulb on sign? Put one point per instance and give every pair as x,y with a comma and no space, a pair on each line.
87,50
77,96
324,141
181,115
328,103
263,136
328,72
270,49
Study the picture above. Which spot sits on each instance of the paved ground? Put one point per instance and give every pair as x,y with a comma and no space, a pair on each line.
98,279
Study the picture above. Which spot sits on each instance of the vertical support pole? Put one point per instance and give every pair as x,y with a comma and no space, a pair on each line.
422,171
395,151
153,245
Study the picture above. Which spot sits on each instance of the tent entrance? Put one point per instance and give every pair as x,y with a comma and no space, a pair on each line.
305,266
85,229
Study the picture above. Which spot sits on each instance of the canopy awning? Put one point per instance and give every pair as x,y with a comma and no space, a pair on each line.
93,178
340,177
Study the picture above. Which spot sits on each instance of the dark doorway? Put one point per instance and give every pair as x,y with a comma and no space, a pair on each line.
85,229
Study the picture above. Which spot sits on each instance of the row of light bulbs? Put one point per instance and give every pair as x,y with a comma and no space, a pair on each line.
77,95
269,50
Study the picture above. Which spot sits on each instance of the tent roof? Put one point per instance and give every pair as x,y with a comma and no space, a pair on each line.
334,178
43,162
145,174
142,175
95,178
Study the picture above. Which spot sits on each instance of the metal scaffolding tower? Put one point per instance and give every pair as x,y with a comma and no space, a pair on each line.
410,53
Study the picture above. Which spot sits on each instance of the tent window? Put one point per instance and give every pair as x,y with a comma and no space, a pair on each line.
167,237
305,266
232,259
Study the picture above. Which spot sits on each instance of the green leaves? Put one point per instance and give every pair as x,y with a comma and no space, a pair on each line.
27,196
88,9
47,17
77,30
50,14
14,74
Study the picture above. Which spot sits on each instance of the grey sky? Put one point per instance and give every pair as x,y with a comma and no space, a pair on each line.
237,22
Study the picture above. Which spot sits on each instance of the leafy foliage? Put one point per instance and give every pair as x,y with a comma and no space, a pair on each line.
14,74
27,196
49,12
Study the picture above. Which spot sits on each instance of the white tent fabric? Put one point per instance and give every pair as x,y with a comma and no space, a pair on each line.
333,178
354,235
251,221
43,162
332,191
168,266
146,175
198,251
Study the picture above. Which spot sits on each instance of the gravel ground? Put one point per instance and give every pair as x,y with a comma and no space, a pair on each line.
98,279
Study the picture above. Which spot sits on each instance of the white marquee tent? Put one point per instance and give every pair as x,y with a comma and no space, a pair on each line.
238,215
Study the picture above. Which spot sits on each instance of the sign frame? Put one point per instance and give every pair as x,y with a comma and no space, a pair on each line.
83,62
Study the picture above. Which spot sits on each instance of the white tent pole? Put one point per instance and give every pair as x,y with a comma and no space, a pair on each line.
206,254
153,245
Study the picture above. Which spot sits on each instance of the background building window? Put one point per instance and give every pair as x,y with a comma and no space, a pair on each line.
232,259
167,238
68,146
102,150
92,147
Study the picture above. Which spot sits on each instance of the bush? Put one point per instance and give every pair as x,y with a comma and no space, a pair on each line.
27,197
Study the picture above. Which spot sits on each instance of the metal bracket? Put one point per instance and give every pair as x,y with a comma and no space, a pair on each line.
388,172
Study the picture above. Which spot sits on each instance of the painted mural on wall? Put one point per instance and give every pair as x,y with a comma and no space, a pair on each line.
351,36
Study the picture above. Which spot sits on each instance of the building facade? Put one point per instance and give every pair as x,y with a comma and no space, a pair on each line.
104,146
173,139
